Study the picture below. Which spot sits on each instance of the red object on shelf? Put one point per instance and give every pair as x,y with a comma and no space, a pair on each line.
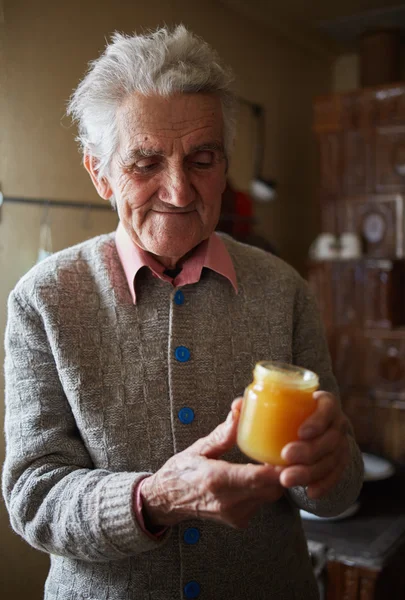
244,210
236,212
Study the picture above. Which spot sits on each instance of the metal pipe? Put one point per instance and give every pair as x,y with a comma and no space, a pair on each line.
55,203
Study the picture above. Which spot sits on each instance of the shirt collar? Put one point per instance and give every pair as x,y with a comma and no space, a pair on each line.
211,253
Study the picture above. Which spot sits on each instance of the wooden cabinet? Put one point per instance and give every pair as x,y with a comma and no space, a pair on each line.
387,104
360,294
320,278
357,160
361,137
361,141
352,582
390,159
385,365
378,221
348,582
386,362
382,294
330,145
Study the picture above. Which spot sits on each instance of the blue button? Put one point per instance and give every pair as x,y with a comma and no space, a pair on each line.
191,536
179,298
192,589
182,354
186,415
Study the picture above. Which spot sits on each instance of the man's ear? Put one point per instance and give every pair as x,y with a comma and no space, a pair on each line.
102,185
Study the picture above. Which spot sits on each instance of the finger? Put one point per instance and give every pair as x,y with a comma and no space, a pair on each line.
220,440
223,437
326,411
230,484
310,452
306,475
237,404
250,477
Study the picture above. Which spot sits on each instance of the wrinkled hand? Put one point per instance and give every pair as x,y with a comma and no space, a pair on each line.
320,457
196,484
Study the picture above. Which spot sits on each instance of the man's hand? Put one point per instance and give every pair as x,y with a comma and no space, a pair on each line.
196,484
318,460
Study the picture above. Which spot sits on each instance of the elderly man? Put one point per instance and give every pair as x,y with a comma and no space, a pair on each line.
126,356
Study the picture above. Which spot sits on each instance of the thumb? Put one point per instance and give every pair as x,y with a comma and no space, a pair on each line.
221,439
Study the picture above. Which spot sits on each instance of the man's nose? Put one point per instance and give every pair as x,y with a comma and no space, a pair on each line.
177,188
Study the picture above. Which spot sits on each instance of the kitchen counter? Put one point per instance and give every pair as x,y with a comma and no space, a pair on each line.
365,554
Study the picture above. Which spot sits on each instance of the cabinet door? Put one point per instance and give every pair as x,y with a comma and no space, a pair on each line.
328,113
330,166
360,410
389,439
385,367
320,281
386,363
330,157
383,294
379,221
347,285
359,293
347,582
390,159
388,105
330,214
358,143
367,588
396,449
350,356
357,162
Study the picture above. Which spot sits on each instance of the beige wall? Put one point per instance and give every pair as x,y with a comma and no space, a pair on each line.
346,75
44,48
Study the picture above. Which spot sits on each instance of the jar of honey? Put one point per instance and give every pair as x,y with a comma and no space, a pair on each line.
274,406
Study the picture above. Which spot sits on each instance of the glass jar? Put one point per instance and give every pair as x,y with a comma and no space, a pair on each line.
277,402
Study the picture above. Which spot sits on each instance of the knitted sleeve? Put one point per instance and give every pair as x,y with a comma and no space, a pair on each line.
310,350
57,501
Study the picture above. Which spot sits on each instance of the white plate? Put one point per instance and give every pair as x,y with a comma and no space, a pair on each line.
377,468
344,515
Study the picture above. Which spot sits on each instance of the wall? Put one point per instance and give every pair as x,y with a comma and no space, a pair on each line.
44,48
346,71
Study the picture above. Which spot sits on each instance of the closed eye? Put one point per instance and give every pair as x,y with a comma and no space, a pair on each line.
146,165
202,159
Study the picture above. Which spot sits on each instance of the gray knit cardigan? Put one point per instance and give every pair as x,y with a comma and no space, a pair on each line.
93,394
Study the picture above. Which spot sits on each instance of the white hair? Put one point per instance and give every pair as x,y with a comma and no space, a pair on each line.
162,62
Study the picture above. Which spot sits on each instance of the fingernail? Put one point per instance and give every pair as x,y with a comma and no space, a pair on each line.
290,456
286,451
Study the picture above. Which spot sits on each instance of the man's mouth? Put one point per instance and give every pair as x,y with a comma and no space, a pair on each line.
173,212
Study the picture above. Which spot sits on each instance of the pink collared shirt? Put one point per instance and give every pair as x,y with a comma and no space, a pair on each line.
212,254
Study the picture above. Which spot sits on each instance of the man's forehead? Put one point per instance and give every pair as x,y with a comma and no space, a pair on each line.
170,117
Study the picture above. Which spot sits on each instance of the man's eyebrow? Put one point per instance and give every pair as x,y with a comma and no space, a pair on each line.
213,146
141,152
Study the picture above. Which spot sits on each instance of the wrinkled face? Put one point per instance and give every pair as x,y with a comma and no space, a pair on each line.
168,174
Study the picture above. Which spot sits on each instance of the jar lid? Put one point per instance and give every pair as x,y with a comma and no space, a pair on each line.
291,376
